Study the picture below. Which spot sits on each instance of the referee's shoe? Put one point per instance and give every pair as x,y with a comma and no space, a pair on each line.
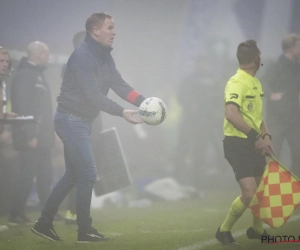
252,235
225,237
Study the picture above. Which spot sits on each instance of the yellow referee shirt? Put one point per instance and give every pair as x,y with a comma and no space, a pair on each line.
244,91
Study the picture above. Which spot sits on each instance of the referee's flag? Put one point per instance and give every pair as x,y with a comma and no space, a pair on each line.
277,195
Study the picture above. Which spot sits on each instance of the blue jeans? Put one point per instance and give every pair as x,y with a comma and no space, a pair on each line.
80,170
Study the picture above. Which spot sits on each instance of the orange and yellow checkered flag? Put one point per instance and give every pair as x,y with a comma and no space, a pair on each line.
277,195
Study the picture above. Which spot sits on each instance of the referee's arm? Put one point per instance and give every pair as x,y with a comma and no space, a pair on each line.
233,115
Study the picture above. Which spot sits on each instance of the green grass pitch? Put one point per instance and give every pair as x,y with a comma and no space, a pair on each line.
184,225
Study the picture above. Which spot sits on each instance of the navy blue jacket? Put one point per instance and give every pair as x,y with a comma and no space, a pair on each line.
284,76
89,75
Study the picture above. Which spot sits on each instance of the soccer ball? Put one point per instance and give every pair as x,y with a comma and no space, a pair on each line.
153,111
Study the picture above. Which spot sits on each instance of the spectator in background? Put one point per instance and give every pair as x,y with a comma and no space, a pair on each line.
283,111
30,96
5,64
78,39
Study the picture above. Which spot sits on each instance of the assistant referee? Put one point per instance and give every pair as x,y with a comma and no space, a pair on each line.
247,141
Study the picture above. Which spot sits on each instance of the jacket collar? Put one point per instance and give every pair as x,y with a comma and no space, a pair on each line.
25,63
96,46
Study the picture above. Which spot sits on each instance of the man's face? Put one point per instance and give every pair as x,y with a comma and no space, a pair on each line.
4,64
296,50
44,57
106,33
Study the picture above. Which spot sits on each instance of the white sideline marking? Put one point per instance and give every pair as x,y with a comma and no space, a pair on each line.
202,244
163,232
172,231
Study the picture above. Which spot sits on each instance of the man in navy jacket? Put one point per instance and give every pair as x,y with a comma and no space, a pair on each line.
283,112
90,74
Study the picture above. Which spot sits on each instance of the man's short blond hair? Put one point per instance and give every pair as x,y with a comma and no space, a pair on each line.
96,19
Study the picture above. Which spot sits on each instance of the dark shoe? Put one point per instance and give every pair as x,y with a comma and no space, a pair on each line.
18,220
92,236
252,235
225,237
46,232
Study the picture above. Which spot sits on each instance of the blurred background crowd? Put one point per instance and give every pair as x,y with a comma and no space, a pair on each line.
182,51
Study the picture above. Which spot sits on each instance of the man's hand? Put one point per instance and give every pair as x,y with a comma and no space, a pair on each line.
268,141
263,147
32,143
128,115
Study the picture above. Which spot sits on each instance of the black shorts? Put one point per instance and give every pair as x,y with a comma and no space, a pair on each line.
243,158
